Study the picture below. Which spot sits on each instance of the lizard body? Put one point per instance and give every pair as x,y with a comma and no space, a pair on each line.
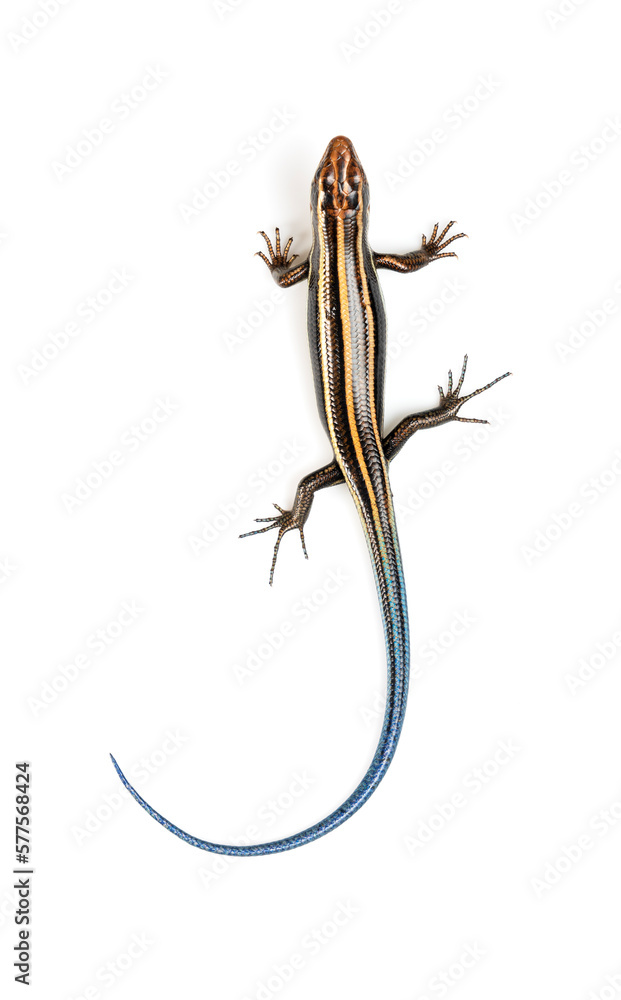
347,340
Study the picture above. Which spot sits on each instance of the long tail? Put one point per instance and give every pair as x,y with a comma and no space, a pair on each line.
381,534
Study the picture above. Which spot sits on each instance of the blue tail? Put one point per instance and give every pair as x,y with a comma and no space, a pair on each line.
391,591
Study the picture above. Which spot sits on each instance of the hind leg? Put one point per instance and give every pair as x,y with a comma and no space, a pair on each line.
447,410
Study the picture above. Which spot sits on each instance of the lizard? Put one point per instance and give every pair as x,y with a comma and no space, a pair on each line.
347,338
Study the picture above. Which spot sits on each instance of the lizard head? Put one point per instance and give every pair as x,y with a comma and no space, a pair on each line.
340,185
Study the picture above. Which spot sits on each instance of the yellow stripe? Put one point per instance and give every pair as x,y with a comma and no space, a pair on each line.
372,334
347,345
323,346
349,391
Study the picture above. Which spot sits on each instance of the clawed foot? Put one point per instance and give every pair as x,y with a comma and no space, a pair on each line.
451,402
435,244
277,259
285,521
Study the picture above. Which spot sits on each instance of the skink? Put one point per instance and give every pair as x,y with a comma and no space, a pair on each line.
347,339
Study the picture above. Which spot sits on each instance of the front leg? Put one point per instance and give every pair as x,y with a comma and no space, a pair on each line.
413,261
447,409
280,264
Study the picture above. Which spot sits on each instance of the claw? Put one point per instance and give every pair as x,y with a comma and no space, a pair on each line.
445,231
268,241
276,258
285,521
462,376
484,387
275,556
451,401
259,531
457,236
436,243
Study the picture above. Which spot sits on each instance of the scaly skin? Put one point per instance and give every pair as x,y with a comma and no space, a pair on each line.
347,338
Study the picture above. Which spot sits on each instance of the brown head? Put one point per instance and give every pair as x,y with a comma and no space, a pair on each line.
340,186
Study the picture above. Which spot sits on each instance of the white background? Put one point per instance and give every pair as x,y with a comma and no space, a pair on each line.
494,876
